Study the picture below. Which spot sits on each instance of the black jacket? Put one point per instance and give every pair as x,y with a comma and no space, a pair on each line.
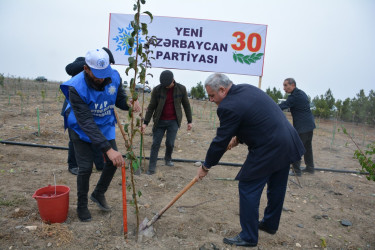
251,115
298,102
158,97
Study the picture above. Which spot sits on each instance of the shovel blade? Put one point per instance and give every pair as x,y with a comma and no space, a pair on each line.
148,232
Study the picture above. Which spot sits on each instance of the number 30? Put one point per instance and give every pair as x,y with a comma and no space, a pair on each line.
242,44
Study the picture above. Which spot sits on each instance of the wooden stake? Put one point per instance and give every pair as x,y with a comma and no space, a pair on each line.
260,82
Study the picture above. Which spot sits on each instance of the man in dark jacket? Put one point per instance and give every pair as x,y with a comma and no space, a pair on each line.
165,108
303,122
92,96
248,115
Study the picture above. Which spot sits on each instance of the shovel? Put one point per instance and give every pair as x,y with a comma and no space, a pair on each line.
146,225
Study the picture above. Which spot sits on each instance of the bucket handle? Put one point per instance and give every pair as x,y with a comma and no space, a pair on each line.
54,179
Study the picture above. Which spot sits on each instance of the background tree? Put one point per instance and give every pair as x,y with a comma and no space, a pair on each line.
360,106
198,92
371,107
330,100
275,94
321,107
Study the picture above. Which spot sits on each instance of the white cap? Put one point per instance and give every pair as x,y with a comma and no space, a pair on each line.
98,61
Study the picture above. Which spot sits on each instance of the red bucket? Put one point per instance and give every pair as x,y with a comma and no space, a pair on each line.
53,203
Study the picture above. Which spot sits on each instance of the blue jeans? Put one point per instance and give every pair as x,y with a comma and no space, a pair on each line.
250,193
158,131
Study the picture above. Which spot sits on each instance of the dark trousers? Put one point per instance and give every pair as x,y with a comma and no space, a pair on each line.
98,156
158,131
250,193
85,155
306,139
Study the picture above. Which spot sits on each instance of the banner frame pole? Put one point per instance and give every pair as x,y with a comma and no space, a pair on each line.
260,82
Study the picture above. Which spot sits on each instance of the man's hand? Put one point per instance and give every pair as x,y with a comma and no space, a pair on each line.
136,106
143,128
201,173
115,157
189,126
233,143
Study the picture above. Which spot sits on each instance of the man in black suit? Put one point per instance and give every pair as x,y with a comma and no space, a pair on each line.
303,122
248,115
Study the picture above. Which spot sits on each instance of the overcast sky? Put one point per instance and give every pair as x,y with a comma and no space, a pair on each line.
321,43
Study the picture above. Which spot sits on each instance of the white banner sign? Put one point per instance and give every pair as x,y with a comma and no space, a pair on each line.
195,44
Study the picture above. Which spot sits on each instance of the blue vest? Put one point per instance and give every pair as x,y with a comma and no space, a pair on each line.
101,104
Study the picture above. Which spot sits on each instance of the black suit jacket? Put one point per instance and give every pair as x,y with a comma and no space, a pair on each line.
251,115
303,119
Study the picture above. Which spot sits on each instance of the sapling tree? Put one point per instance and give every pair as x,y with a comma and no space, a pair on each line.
20,94
43,93
364,157
138,64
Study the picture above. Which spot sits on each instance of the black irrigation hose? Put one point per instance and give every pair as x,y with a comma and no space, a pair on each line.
179,160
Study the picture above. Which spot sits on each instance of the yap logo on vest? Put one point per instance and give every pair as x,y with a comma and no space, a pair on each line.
111,90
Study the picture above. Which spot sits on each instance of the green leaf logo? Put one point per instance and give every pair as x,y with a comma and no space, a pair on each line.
248,59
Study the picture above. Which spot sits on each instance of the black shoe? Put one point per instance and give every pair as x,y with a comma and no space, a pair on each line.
169,163
83,214
308,170
291,173
238,242
265,229
150,172
100,201
73,171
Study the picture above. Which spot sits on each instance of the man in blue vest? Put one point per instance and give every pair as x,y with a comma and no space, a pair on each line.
248,115
73,69
90,119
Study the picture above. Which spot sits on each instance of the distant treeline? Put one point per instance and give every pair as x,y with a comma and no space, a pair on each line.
360,109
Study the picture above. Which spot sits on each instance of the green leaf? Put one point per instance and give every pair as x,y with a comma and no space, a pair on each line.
143,1
126,127
240,58
130,51
135,164
131,60
134,7
150,15
144,29
139,49
246,61
135,96
130,112
139,193
131,41
235,57
131,156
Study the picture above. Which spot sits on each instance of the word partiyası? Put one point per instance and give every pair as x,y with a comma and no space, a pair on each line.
175,56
